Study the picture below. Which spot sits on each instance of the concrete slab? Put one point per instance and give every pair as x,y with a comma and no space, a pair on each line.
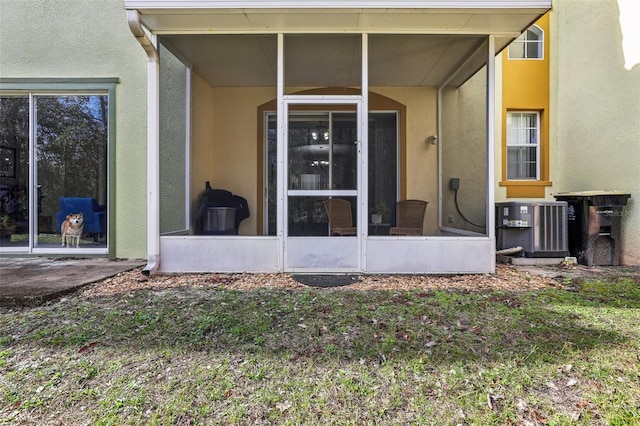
529,261
34,280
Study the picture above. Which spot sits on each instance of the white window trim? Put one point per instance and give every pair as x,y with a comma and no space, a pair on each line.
538,145
541,41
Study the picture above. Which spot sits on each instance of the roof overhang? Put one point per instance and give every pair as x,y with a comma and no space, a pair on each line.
472,20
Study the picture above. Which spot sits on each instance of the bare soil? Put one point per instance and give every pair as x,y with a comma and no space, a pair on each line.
506,278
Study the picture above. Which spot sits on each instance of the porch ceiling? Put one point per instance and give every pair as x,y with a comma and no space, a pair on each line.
412,46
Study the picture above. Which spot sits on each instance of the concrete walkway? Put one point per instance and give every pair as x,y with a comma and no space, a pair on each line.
32,281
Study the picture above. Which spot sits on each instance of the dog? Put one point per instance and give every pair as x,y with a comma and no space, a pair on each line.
71,229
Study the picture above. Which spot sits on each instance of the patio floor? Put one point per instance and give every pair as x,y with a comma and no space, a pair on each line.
31,281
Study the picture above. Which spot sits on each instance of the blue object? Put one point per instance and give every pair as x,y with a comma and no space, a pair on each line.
95,215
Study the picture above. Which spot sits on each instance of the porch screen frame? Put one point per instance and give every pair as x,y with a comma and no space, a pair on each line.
490,103
162,141
362,102
270,115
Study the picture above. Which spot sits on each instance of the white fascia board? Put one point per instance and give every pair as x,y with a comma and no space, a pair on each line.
337,4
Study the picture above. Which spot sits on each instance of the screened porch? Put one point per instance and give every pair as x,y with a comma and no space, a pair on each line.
298,119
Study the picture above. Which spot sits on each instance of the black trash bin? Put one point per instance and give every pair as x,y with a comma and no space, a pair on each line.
594,225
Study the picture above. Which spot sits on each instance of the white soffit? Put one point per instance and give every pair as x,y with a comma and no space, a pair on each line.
446,21
461,16
343,4
457,27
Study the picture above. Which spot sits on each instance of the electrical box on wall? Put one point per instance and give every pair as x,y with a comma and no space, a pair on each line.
454,183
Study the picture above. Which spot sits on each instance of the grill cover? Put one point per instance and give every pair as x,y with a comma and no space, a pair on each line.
219,202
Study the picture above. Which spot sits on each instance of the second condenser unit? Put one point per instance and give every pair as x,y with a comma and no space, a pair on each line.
540,228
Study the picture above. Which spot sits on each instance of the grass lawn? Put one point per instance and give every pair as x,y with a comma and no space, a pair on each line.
191,356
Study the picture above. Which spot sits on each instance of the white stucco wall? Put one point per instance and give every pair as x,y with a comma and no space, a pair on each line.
173,146
595,106
464,149
89,39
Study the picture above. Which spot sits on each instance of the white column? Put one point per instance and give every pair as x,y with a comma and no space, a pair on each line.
363,147
491,134
281,146
187,139
439,147
153,165
149,44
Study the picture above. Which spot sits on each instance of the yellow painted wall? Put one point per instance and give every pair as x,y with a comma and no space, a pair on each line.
525,86
201,131
422,157
234,147
225,150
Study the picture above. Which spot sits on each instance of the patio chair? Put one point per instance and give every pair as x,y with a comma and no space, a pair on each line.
340,218
409,217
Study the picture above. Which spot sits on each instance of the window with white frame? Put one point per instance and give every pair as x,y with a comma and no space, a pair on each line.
523,145
529,45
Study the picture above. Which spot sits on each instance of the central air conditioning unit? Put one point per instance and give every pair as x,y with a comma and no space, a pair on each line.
541,228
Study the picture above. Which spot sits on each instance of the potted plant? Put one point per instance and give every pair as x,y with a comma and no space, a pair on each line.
379,212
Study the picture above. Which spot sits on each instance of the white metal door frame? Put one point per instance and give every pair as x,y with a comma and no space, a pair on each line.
321,245
362,105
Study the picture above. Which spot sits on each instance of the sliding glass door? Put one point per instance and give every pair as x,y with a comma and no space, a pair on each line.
14,172
383,167
53,155
324,162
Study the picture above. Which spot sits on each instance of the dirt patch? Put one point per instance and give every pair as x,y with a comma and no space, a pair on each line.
326,280
506,278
